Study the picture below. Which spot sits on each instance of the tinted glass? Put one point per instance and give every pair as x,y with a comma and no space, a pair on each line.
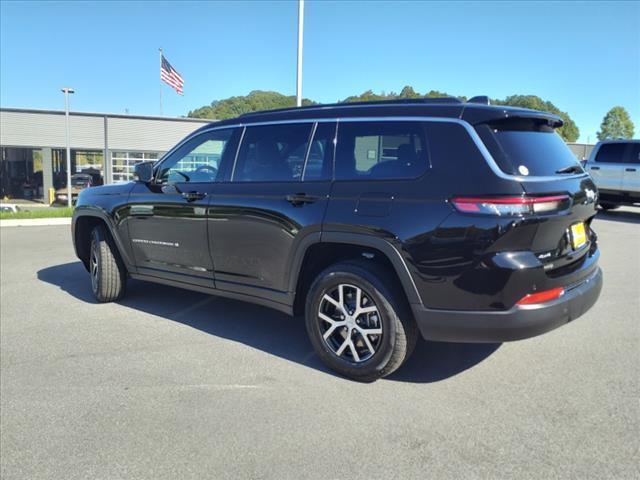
380,150
272,153
526,148
611,153
320,160
634,153
196,161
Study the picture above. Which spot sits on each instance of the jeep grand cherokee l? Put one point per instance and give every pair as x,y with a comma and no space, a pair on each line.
458,221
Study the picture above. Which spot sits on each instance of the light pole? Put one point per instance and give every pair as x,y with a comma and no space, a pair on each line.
67,91
300,36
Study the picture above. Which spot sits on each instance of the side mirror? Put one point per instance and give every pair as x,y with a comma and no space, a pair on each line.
143,172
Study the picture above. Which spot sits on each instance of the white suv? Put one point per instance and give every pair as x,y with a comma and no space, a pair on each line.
614,166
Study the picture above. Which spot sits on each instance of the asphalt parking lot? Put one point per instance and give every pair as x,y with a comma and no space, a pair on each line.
175,384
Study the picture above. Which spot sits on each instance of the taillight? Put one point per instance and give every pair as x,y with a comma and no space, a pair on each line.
511,206
541,297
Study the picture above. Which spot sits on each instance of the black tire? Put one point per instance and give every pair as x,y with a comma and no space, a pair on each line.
609,206
392,317
108,275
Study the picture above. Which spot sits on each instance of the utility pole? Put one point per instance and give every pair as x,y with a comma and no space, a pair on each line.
67,91
160,49
300,35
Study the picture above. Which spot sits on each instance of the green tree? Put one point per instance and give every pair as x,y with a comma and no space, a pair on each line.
569,131
255,101
262,100
616,124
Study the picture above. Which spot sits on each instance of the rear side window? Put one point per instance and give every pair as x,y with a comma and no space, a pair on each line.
320,159
272,153
526,148
634,153
380,150
611,153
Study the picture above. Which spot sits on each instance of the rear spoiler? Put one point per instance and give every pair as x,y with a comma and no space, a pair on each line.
474,113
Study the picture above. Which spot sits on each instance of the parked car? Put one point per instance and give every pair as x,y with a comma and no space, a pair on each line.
9,208
377,222
79,182
614,166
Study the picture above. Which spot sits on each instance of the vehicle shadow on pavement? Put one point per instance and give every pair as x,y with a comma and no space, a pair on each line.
623,216
260,327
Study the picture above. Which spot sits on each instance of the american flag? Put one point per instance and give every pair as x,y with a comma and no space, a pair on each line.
170,76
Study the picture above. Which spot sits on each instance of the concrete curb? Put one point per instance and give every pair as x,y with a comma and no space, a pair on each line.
35,222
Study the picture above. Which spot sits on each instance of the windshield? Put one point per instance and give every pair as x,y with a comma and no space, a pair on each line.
528,149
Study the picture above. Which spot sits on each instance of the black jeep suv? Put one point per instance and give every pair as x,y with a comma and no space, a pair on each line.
462,221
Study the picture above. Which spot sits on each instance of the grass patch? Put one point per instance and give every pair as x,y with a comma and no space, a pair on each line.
51,212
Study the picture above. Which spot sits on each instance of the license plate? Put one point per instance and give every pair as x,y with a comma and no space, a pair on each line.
578,235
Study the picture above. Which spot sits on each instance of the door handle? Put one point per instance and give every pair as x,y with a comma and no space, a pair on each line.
298,199
629,169
595,168
193,196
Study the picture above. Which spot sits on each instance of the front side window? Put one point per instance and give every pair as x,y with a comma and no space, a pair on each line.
611,153
380,150
198,160
272,153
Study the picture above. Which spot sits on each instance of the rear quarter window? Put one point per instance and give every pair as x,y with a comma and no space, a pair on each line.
526,148
381,150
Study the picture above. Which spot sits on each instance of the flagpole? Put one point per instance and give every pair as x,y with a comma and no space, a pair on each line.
160,49
300,36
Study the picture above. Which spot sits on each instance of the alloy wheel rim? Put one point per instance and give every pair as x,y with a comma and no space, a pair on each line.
350,323
93,264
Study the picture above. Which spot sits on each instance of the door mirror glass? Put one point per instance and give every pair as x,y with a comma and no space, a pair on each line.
143,171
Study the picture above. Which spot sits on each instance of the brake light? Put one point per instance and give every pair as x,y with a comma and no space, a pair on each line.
511,206
541,297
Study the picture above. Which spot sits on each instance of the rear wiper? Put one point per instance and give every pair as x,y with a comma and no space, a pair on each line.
570,169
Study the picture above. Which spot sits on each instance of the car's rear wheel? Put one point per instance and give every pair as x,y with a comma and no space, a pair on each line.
359,326
108,275
609,206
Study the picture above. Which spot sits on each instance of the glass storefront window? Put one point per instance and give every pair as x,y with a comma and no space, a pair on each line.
122,163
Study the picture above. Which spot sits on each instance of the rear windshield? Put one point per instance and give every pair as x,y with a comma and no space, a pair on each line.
526,148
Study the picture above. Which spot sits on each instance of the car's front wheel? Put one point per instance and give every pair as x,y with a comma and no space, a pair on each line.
359,326
108,275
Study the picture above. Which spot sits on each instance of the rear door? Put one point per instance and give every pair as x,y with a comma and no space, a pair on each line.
274,197
631,174
607,166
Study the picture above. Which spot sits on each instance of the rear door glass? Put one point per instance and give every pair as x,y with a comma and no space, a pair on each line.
526,148
634,154
611,153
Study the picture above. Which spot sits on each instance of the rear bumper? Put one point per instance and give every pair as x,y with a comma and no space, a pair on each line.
515,324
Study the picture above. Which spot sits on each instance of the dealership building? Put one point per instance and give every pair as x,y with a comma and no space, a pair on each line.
105,146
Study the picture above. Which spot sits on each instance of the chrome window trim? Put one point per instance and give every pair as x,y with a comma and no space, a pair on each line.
466,125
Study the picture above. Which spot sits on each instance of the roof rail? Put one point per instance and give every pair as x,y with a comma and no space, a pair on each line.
398,101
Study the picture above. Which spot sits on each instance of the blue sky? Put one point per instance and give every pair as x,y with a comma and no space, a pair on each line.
584,57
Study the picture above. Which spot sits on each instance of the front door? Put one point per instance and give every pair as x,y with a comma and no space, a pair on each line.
275,197
167,218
